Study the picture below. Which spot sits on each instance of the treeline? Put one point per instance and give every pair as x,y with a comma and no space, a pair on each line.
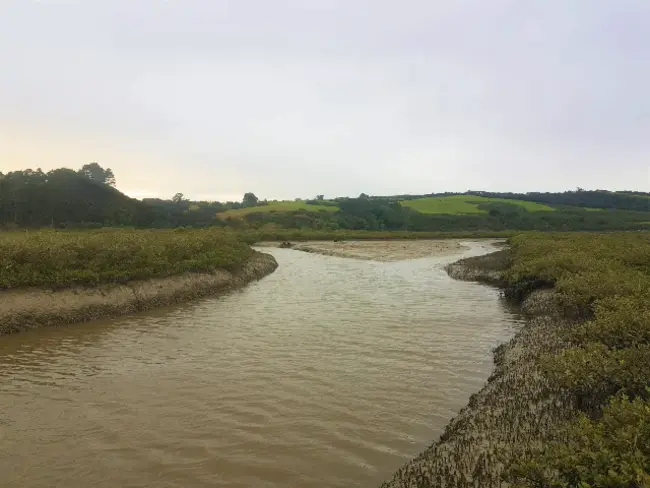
64,197
87,198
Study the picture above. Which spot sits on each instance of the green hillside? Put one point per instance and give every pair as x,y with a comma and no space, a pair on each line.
467,204
284,206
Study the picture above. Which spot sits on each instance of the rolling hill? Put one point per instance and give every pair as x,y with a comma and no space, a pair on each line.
467,204
284,206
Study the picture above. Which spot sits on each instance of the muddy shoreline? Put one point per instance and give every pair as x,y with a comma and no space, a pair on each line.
377,250
513,412
30,308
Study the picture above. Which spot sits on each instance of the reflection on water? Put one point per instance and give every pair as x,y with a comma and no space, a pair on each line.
329,372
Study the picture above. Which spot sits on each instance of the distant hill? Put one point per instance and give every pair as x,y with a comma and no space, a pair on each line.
283,206
603,199
86,198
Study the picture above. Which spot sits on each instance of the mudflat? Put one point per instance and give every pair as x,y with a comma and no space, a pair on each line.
388,250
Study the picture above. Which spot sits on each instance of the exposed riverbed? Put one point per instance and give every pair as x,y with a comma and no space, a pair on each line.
388,250
329,372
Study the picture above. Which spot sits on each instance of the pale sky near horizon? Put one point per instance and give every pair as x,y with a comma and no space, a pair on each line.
293,98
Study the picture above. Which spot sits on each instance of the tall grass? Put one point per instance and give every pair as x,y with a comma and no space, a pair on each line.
64,259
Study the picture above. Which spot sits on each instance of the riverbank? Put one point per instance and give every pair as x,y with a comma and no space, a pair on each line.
53,277
516,410
23,309
567,404
385,251
488,268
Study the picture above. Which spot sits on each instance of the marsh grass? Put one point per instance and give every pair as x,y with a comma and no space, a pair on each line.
63,259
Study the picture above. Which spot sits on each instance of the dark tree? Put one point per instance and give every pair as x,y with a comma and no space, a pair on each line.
250,200
95,172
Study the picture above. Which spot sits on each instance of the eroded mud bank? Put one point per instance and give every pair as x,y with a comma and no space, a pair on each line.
25,309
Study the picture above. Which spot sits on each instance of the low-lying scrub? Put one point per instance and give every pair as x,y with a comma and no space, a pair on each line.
606,367
64,259
613,451
620,322
594,372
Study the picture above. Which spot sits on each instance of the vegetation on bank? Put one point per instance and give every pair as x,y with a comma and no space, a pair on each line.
467,204
62,259
605,368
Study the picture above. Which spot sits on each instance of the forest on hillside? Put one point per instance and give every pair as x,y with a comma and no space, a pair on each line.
87,198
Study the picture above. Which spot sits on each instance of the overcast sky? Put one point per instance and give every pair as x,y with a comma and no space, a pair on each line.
293,98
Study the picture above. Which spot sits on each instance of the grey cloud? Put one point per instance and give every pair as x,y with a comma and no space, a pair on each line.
293,98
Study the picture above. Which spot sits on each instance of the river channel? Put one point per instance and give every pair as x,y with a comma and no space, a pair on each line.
330,372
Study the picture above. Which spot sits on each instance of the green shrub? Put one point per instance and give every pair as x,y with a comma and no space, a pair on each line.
610,452
620,322
608,277
594,372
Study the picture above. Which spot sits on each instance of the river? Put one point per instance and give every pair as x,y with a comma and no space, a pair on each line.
331,372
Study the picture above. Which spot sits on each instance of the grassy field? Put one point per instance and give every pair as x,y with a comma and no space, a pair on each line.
287,206
466,204
64,259
605,369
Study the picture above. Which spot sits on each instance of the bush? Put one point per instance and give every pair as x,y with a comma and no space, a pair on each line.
619,322
608,276
594,372
613,451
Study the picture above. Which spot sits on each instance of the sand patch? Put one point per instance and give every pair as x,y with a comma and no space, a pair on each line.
387,250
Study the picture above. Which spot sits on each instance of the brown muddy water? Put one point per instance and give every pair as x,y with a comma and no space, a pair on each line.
331,372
